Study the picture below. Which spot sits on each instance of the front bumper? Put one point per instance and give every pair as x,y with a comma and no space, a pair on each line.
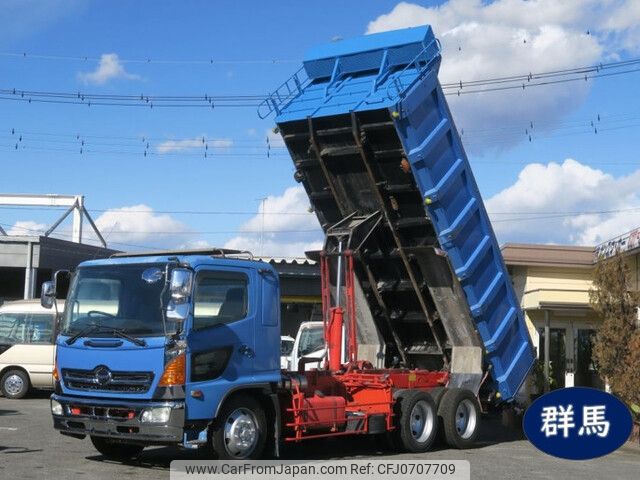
118,420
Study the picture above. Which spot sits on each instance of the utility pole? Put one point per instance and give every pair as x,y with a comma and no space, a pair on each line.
263,204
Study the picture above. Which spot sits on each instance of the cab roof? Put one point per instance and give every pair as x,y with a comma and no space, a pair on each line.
193,258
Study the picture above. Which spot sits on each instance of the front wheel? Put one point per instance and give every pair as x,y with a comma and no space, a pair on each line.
240,433
460,415
15,384
116,451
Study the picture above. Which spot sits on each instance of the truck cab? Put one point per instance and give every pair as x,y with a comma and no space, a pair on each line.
309,344
150,347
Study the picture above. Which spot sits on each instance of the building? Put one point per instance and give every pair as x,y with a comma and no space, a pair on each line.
300,299
27,261
552,283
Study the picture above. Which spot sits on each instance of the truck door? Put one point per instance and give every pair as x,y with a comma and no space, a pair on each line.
221,337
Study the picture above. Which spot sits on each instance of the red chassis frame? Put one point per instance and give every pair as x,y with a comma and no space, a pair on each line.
342,400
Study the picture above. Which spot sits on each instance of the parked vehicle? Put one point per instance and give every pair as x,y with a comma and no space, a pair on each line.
286,348
419,315
309,343
27,347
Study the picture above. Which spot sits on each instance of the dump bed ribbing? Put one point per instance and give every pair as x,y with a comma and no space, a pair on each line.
373,142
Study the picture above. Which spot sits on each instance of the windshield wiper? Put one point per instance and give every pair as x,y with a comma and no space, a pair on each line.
121,333
116,331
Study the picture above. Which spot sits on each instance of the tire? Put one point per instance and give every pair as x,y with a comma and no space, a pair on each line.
240,431
392,438
416,421
460,414
114,450
15,384
436,394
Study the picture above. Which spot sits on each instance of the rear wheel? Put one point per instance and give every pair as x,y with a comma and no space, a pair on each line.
15,384
114,450
416,421
460,416
241,430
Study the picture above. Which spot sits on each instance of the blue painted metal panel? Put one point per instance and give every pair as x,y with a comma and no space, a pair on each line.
126,357
354,75
397,72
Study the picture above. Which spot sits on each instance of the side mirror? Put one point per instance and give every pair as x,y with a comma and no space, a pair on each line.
180,286
48,294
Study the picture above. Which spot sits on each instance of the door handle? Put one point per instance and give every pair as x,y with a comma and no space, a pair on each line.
246,351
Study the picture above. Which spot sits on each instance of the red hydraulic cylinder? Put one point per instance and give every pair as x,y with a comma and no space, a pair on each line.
334,338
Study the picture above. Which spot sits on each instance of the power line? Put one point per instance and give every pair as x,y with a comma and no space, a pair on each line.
545,213
528,77
523,82
146,145
142,152
140,138
598,126
149,60
542,84
168,212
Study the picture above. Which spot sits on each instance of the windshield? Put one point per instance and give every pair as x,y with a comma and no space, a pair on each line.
311,340
116,297
286,347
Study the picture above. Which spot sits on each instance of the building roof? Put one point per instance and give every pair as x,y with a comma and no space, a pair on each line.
548,255
47,252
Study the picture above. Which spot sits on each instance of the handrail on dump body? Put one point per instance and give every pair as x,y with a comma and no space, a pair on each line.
282,95
421,70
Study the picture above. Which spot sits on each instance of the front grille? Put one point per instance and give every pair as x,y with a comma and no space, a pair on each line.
116,381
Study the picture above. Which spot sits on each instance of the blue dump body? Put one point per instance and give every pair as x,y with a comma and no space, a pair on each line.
369,130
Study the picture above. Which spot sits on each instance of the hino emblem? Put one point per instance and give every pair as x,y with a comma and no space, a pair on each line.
102,375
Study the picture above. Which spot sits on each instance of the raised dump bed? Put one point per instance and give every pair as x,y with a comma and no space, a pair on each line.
374,144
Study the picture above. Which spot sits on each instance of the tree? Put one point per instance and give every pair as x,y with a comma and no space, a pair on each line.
616,348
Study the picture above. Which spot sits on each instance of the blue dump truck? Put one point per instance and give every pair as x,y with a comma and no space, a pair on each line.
421,324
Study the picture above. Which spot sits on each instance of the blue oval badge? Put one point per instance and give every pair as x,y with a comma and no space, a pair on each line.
577,423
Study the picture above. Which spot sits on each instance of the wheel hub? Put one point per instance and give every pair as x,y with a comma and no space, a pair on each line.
13,384
241,433
422,421
466,418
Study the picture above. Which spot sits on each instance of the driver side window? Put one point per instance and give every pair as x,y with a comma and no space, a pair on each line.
219,298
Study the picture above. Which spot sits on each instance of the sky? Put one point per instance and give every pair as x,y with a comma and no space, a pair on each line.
555,163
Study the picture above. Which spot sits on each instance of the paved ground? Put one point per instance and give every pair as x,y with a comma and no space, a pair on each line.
30,448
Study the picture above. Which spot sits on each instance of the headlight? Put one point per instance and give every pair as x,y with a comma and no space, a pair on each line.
56,408
156,415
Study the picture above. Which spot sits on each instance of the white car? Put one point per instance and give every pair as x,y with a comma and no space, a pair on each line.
27,347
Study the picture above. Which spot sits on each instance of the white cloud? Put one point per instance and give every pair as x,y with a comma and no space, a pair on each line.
27,228
547,204
109,68
138,225
289,228
130,228
221,143
506,37
171,146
